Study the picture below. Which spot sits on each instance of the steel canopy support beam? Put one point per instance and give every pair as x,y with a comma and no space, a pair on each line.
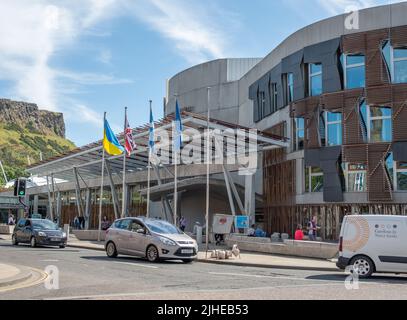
115,198
234,190
50,209
227,182
88,205
58,207
78,193
164,199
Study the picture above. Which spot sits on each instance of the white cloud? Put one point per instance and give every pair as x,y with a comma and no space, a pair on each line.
87,115
194,29
89,78
31,32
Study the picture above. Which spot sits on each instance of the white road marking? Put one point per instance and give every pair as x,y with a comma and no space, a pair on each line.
154,293
49,260
262,276
137,265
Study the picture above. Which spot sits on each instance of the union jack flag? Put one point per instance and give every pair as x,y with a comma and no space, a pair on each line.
129,143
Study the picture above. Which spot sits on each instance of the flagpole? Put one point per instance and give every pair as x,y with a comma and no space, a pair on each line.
101,184
149,168
175,183
207,177
124,196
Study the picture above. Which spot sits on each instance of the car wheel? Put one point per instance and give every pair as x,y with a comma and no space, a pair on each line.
111,250
14,240
62,247
187,260
362,266
152,254
33,242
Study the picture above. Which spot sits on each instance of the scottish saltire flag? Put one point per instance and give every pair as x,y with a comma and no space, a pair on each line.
110,142
178,128
151,131
129,143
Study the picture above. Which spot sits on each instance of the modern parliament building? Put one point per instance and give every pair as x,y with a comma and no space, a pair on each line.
331,99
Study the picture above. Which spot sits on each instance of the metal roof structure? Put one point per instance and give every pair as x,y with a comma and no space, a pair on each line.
88,159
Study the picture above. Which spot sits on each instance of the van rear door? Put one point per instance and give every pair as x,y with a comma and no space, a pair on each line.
390,243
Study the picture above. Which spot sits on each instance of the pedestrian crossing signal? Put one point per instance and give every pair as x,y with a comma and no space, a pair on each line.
19,187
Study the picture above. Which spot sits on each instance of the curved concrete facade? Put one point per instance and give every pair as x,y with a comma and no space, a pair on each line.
191,88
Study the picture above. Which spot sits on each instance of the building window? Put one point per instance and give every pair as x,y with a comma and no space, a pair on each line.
355,177
354,70
274,94
389,163
396,61
322,128
333,134
401,176
262,104
376,123
299,134
315,79
314,179
289,87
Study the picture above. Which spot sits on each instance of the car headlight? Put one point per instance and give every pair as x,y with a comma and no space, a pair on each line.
167,241
63,235
42,234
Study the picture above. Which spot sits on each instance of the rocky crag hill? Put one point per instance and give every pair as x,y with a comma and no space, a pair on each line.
26,134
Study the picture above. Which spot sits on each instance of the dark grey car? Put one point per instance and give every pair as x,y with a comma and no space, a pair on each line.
38,232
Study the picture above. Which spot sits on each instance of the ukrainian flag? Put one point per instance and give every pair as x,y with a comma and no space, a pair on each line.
110,142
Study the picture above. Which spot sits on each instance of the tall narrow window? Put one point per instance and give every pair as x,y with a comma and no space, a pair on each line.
262,104
290,87
390,168
315,79
396,61
274,96
354,71
322,128
333,129
299,130
376,123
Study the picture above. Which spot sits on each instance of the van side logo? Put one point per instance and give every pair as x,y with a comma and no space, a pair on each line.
361,237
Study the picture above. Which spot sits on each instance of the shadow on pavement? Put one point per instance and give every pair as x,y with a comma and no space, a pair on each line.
383,279
23,246
135,260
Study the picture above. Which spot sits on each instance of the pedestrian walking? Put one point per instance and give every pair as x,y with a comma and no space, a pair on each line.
182,223
76,223
312,229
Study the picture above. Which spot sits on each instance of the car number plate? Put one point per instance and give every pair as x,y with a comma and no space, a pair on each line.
187,251
55,239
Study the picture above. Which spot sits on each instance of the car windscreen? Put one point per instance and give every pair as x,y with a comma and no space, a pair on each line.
44,225
162,227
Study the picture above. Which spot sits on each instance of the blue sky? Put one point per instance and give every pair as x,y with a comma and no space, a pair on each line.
84,57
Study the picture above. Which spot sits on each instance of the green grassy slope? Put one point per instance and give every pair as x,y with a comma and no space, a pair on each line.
17,144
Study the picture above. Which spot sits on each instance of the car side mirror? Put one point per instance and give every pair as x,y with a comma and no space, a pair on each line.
140,231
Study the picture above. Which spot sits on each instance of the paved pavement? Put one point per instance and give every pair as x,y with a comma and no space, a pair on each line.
246,259
89,274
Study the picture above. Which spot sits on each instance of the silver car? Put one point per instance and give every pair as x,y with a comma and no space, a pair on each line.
151,238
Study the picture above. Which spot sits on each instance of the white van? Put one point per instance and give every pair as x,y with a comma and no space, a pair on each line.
373,243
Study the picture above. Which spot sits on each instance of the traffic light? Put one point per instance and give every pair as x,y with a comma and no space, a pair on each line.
19,187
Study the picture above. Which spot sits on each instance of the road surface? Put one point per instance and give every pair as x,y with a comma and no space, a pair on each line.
88,274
